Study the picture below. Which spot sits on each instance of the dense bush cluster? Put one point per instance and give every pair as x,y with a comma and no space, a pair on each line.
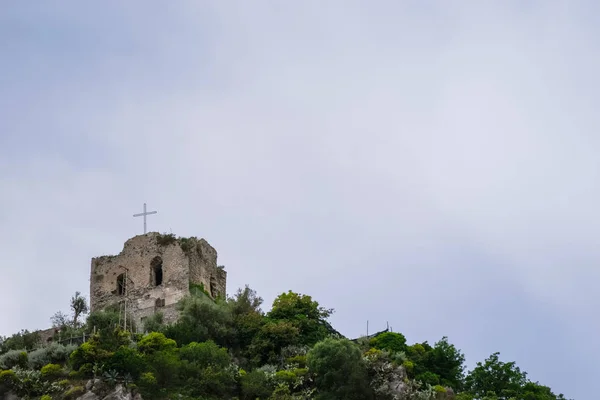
231,349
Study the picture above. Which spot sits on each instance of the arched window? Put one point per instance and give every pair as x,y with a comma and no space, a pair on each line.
121,285
157,271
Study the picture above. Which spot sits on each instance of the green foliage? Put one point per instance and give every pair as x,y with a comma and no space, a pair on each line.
291,353
154,323
272,337
52,371
46,397
198,289
165,239
79,307
202,319
206,369
255,385
28,383
340,372
23,340
447,362
52,354
13,358
156,342
494,376
391,341
305,314
187,244
126,361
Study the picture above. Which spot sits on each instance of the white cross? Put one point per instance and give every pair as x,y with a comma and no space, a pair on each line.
144,215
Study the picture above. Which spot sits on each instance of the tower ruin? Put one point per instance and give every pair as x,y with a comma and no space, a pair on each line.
153,273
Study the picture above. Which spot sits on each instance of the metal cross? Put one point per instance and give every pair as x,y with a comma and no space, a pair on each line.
144,215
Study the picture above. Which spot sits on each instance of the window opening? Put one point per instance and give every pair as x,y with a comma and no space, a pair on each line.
157,271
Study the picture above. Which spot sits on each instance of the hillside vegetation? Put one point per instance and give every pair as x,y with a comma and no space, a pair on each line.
231,349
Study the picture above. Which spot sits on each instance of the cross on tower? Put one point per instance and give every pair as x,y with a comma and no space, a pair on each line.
144,215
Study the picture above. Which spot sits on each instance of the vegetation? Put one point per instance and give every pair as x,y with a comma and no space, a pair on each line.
231,349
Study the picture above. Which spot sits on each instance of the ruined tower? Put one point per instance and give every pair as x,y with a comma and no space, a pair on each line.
153,273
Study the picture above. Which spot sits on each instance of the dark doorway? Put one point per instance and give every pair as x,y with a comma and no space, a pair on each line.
157,271
213,287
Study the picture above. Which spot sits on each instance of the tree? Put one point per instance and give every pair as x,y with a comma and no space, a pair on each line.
447,362
202,319
340,371
304,313
391,341
79,307
59,320
505,380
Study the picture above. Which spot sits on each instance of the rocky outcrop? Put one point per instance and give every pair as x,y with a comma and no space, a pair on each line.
98,390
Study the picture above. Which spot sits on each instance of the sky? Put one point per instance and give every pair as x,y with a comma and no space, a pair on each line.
428,164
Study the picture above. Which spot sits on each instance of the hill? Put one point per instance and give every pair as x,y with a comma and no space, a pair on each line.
229,348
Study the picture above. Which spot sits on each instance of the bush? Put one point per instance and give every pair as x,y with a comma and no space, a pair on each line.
13,358
51,371
154,342
255,384
46,397
126,361
391,341
7,380
28,384
52,354
340,371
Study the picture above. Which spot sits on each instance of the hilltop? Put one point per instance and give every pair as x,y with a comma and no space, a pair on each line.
229,348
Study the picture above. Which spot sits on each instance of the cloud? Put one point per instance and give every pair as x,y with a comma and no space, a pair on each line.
421,164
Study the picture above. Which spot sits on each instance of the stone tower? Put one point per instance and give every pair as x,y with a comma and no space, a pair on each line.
153,273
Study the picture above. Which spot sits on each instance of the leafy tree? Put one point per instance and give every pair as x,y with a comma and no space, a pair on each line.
202,319
59,320
493,376
79,307
247,318
154,323
446,361
272,338
304,313
340,371
160,354
255,385
392,341
23,340
206,370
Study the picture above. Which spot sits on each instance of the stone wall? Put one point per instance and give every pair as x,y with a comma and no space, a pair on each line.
153,273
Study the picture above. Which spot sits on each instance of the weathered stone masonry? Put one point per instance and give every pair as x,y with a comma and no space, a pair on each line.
154,272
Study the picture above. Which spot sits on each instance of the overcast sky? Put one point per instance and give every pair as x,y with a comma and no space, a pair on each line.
431,164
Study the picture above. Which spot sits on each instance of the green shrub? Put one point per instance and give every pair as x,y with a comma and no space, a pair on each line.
165,239
255,385
391,341
439,389
409,366
46,397
13,358
51,371
7,380
286,377
428,378
126,361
